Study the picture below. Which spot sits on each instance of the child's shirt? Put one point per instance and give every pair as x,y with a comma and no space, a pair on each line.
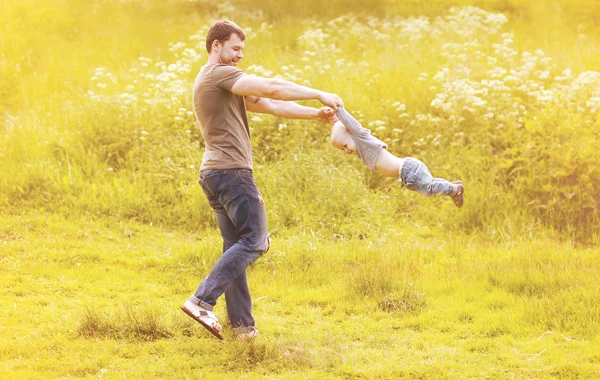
367,145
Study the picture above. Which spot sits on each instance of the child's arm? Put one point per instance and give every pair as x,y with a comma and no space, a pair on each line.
351,124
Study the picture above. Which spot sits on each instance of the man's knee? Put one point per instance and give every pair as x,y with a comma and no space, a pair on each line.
261,244
264,245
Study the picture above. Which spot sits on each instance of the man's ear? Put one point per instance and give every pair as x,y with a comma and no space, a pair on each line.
216,44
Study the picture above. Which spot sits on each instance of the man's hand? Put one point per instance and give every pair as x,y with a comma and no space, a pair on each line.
324,114
331,100
327,114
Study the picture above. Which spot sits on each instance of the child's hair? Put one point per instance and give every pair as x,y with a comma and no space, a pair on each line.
332,134
338,126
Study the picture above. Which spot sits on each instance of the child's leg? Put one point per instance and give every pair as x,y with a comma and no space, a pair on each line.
415,176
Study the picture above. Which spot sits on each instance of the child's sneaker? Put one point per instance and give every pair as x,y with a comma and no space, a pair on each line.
457,194
206,318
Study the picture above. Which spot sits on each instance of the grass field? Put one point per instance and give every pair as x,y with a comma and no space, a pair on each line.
100,299
104,231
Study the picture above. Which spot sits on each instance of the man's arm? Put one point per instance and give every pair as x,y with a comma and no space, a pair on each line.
285,109
279,89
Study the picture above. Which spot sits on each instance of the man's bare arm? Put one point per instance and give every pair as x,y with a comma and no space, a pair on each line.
285,109
280,89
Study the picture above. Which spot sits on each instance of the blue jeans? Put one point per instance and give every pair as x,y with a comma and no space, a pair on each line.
417,177
242,220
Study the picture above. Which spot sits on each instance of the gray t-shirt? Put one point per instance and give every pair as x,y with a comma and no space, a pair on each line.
367,145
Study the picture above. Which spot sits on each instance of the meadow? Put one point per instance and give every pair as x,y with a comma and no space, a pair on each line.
104,231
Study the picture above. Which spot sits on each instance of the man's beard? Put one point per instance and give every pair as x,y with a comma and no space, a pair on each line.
225,61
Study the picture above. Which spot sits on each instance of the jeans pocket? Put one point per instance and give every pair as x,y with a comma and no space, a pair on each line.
204,174
204,184
244,185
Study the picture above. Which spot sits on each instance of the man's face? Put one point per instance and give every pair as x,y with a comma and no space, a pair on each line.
230,52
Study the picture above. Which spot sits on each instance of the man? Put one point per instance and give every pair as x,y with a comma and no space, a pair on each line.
222,95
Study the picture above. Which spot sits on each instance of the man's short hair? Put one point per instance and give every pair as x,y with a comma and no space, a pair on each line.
221,30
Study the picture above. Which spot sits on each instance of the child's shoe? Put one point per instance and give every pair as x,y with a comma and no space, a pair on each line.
457,194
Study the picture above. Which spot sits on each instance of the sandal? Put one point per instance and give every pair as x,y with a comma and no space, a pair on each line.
247,335
206,318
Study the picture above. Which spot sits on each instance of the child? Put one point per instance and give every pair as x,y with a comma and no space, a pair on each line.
348,135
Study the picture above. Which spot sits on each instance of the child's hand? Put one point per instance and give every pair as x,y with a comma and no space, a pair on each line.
327,114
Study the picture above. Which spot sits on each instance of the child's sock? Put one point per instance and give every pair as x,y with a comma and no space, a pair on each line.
415,176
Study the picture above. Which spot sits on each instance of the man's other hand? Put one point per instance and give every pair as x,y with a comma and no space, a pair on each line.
331,100
327,114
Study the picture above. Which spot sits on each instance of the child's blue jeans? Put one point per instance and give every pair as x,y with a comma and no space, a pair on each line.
415,176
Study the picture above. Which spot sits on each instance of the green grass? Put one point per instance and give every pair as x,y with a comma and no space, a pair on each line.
90,298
